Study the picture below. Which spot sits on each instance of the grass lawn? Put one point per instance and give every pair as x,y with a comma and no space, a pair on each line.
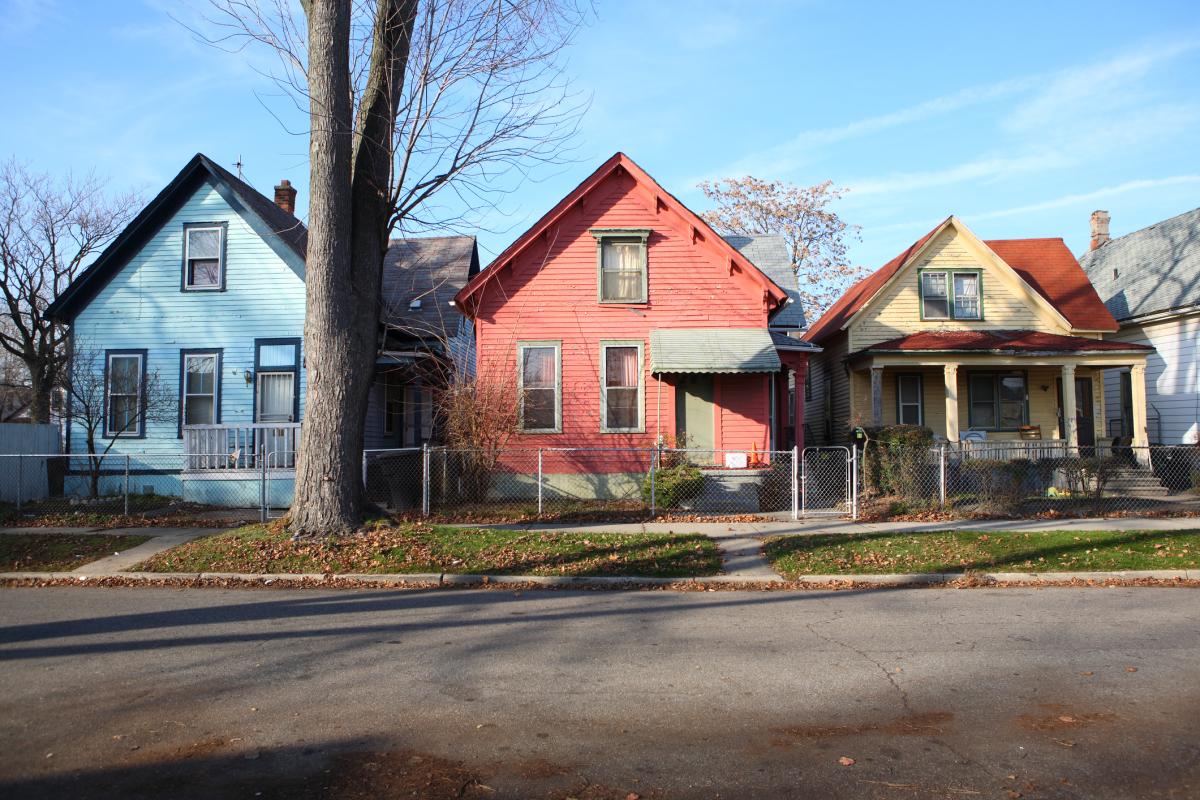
54,552
960,551
425,548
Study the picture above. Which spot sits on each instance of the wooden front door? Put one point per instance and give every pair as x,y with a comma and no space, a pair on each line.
694,411
1085,421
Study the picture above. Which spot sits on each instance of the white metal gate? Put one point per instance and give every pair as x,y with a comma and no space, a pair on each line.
828,482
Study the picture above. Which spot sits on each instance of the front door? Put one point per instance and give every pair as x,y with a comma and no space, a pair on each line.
276,403
1085,422
694,411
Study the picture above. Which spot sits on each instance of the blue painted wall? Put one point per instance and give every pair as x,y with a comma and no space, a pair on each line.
142,307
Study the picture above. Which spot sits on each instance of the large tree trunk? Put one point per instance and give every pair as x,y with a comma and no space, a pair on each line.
338,319
41,386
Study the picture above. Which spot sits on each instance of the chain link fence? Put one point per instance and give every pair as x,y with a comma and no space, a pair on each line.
1028,479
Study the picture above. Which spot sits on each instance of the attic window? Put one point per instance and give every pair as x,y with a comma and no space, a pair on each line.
414,305
204,257
621,265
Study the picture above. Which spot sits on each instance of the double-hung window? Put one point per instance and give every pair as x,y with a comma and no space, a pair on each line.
124,378
203,257
539,372
621,387
622,264
910,408
951,294
200,388
998,401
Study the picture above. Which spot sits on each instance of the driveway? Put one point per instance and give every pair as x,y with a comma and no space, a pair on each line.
1052,693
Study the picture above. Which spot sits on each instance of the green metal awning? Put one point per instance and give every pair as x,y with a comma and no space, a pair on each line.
709,350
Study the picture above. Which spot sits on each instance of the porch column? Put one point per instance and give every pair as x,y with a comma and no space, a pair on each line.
951,378
1141,436
876,396
1070,431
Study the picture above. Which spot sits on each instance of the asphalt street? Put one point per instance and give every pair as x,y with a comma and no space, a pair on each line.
1035,693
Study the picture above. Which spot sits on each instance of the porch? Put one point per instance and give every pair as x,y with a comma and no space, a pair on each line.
240,447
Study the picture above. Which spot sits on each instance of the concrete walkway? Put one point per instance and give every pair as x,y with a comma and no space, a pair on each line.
742,556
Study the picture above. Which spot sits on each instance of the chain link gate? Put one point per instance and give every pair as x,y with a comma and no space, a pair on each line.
828,482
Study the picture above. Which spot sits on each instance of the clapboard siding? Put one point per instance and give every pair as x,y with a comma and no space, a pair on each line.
142,307
1172,378
897,311
550,294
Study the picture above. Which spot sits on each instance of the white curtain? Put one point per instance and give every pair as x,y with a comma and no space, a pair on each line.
621,366
539,368
275,397
621,263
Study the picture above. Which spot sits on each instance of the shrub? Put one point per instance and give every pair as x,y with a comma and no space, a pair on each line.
896,461
673,484
1000,485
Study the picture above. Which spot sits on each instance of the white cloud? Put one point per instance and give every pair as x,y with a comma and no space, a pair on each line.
1098,195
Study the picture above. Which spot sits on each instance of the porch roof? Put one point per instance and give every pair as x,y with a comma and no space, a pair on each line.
1001,342
712,350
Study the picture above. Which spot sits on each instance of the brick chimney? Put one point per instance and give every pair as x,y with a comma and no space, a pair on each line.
285,198
1099,227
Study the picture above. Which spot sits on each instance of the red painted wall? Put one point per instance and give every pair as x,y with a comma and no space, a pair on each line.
550,293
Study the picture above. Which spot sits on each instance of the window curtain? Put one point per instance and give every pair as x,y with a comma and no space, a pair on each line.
539,368
621,367
622,267
621,380
966,296
538,403
275,397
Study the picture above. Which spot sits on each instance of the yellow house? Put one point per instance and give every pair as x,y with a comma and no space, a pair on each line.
1002,338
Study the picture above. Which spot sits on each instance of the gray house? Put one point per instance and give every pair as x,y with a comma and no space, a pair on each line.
1150,281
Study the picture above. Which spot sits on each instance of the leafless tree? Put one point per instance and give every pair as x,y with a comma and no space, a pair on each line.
421,112
49,231
815,234
144,399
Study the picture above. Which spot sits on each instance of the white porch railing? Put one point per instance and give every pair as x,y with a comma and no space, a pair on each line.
1032,449
236,446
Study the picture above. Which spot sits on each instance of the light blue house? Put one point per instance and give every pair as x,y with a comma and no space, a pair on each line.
193,322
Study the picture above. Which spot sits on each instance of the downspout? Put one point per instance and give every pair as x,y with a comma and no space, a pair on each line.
658,412
773,416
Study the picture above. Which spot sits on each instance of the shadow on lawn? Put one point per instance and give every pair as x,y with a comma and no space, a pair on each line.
798,545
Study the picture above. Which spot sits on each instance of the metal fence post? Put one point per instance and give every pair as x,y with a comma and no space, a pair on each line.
854,482
795,482
20,479
942,473
127,484
262,482
364,471
425,480
539,481
654,482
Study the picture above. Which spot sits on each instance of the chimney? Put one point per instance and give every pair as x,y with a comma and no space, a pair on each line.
285,198
1099,227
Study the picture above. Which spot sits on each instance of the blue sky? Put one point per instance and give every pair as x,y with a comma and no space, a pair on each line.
1021,122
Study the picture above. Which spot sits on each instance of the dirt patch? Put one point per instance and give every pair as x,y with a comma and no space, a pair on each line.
401,773
1057,717
535,769
932,723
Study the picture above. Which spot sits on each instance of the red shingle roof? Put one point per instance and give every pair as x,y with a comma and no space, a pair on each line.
1002,341
1045,264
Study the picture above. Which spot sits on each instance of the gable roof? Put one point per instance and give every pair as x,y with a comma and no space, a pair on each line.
769,253
1149,271
432,270
287,230
617,163
1046,265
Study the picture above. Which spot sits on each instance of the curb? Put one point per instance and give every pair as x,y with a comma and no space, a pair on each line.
455,580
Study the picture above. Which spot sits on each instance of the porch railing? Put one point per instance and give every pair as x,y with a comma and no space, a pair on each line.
236,446
1033,449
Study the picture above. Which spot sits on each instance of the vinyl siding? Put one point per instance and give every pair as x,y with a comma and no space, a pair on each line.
142,307
897,311
550,294
1172,379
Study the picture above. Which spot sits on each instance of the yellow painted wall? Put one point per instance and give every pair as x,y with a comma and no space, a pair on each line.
897,311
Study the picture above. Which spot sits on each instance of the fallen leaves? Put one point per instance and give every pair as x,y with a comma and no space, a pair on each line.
846,761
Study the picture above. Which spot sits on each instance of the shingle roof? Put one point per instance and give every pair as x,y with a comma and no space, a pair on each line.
1018,341
289,229
432,270
1156,268
712,350
769,253
1045,264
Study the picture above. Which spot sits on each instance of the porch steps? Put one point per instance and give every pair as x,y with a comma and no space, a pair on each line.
728,491
1135,481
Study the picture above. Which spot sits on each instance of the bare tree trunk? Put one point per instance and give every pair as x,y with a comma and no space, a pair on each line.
327,499
42,387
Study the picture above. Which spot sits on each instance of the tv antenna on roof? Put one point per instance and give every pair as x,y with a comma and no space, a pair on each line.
239,166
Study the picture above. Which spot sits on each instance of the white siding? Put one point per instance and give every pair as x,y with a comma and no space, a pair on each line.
1172,380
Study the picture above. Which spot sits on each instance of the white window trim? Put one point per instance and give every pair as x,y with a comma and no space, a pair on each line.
136,431
641,386
521,347
215,356
187,257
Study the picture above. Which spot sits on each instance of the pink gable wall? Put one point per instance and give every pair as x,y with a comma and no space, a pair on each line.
550,293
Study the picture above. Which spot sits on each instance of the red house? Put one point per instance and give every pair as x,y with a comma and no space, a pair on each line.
622,319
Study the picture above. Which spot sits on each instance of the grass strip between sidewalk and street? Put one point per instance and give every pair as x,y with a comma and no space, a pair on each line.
410,548
982,551
58,552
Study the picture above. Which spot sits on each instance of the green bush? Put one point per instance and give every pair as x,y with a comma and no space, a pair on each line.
1001,485
896,461
674,484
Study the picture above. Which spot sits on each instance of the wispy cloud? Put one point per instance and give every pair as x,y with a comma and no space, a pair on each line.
1096,196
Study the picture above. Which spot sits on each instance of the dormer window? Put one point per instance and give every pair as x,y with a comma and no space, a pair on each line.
621,265
951,294
204,257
